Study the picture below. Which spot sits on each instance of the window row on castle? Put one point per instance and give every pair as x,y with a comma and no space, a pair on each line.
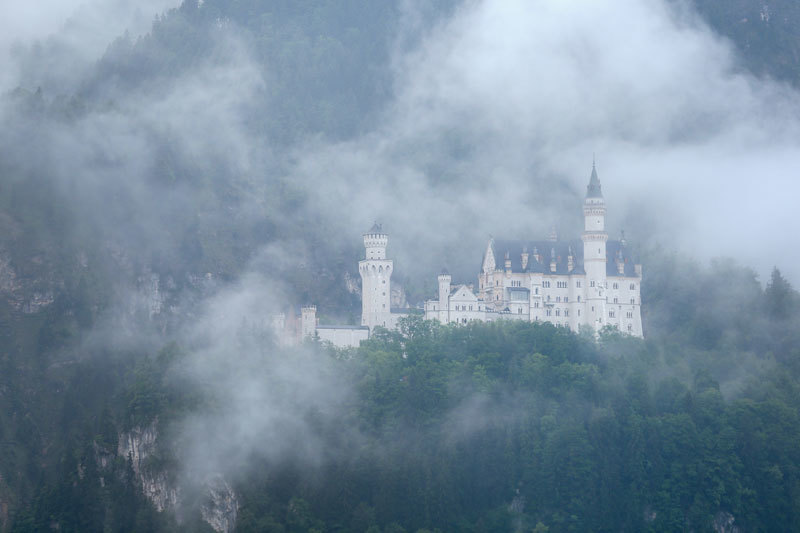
463,308
565,284
612,314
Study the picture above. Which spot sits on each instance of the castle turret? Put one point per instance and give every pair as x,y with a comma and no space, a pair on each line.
444,297
308,321
570,260
376,273
594,251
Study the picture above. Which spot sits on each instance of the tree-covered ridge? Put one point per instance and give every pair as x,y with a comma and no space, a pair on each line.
327,65
486,427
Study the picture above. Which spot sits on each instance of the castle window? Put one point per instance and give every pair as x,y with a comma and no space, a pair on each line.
536,304
519,310
629,314
548,297
464,320
384,306
384,294
633,301
566,299
548,312
558,312
546,284
558,298
384,282
579,312
578,284
615,301
633,286
630,327
611,314
591,283
536,290
579,297
616,286
470,308
566,312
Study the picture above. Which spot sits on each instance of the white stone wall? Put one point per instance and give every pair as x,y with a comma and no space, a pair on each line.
568,301
343,337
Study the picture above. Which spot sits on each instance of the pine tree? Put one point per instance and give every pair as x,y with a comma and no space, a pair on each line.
778,296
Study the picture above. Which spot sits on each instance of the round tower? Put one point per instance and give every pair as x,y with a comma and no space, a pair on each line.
594,239
444,296
376,273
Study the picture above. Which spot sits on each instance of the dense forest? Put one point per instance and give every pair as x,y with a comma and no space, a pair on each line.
137,393
486,427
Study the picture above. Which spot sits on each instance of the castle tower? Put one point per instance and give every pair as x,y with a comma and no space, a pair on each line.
308,321
594,239
375,271
444,297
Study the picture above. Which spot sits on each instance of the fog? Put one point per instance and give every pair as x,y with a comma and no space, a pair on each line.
56,41
505,100
494,118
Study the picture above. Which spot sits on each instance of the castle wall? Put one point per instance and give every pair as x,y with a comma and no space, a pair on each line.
343,336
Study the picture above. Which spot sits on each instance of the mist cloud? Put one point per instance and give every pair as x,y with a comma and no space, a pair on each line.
503,102
491,129
53,42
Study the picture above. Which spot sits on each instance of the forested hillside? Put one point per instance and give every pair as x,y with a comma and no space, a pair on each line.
488,427
153,213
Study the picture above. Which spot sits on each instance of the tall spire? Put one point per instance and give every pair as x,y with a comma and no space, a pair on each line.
593,190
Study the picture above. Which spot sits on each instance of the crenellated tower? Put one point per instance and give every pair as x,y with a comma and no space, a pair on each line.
594,239
376,273
444,296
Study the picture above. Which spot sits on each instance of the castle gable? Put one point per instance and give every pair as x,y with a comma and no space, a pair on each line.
463,293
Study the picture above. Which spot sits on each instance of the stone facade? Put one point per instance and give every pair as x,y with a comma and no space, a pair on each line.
591,282
586,283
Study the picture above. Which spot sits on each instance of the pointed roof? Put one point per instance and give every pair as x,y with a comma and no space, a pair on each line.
593,189
375,229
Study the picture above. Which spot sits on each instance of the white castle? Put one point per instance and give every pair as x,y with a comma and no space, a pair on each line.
588,283
591,283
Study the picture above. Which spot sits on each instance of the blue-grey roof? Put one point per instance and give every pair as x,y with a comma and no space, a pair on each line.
560,250
593,189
